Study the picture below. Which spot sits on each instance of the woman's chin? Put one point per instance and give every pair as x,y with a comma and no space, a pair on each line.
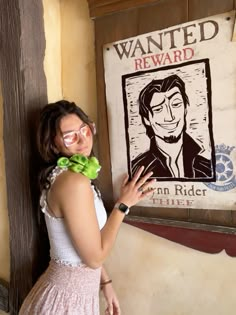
84,152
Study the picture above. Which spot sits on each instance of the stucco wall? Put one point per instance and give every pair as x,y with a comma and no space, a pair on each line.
78,55
70,55
52,60
4,223
154,276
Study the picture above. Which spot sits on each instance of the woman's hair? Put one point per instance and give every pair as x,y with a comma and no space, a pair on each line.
49,124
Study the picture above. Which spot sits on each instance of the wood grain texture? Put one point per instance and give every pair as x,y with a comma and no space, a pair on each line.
215,217
100,8
196,236
153,18
203,8
167,213
233,215
4,296
24,93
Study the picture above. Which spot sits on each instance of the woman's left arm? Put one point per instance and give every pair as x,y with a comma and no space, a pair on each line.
113,307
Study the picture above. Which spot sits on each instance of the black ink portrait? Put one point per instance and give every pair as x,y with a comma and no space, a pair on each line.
173,153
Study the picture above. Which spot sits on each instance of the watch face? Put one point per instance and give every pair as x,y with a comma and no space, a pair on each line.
123,207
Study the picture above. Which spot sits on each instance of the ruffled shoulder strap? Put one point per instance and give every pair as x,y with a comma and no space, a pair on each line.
56,172
43,198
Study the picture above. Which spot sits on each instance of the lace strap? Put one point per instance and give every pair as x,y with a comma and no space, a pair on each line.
43,198
56,172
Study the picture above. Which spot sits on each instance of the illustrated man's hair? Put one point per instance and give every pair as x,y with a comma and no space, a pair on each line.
158,86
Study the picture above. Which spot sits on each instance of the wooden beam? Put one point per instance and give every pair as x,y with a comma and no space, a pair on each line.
24,92
203,237
99,8
4,296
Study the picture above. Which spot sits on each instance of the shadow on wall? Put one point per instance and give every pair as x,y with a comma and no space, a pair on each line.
154,276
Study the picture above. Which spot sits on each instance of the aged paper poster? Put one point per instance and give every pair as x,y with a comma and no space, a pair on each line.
171,101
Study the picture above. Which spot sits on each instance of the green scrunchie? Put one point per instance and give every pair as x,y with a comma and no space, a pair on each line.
81,164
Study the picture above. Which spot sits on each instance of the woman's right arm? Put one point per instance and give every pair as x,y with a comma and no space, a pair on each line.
76,202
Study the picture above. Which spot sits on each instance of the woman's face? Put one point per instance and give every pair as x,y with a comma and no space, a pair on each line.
74,136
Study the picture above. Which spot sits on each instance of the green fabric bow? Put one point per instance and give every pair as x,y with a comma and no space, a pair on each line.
81,164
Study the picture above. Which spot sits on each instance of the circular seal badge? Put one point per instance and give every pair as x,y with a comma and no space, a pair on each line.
225,178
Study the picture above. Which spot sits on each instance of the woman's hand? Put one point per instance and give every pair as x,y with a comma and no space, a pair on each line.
113,307
137,189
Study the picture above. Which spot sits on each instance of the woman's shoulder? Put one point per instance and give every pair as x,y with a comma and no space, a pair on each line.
68,179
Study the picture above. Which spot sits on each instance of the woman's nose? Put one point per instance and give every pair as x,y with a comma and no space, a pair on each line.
80,138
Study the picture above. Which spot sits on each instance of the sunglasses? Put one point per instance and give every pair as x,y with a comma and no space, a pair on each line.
74,136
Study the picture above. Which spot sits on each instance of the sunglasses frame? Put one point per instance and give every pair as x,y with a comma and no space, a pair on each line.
77,133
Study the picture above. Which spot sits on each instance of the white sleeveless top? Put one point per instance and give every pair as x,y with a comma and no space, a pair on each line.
61,247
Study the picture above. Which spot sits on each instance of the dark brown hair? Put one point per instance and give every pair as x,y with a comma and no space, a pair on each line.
49,124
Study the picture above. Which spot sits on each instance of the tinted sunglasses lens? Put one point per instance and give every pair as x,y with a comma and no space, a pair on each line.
85,131
70,138
73,136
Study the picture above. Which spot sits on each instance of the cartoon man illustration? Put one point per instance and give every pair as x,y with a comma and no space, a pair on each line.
173,153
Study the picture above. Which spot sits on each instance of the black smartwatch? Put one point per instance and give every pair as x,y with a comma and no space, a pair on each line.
122,207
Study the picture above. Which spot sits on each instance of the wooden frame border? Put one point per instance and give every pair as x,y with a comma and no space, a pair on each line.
182,224
202,237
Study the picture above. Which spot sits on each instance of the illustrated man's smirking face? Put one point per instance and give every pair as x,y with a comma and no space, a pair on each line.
167,118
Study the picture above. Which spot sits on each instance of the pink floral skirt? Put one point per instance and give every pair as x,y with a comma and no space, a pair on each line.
64,290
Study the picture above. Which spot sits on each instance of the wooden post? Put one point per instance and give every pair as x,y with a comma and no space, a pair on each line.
22,48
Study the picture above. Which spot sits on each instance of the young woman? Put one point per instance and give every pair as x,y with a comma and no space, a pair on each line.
80,234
